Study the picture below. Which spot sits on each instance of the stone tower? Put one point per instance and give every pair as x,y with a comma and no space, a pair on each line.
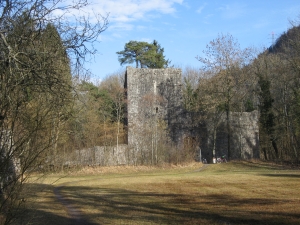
152,94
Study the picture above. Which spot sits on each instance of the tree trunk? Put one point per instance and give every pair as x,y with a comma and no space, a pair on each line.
228,133
274,144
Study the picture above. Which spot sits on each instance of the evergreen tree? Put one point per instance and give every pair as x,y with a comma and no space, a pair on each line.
143,54
267,118
158,60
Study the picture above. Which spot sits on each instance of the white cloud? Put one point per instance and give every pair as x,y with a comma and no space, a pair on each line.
127,11
233,11
146,40
121,26
199,10
141,27
123,13
207,18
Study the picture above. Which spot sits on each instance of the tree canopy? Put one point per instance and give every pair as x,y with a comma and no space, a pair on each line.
143,54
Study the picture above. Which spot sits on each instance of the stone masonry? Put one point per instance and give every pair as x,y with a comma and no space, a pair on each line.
151,93
156,95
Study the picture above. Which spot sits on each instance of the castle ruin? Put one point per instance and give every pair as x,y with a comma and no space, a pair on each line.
154,97
158,126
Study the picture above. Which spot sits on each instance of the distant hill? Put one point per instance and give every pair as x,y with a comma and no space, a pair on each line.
285,40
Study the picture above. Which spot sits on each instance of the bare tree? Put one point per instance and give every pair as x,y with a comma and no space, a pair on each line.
191,79
35,85
224,60
113,84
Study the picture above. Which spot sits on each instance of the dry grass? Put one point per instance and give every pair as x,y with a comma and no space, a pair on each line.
41,206
232,193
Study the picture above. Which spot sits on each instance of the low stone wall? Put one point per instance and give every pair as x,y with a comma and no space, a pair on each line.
101,156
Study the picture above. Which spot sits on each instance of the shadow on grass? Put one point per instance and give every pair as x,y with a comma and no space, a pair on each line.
42,207
267,165
119,206
283,175
37,216
253,165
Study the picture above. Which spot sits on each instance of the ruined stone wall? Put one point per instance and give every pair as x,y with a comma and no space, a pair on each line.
98,156
156,94
244,138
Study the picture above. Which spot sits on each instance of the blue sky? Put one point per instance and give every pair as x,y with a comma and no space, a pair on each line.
185,27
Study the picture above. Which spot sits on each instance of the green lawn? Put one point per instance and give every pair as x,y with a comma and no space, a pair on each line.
232,193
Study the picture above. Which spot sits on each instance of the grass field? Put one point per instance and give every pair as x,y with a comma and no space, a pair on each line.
232,193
